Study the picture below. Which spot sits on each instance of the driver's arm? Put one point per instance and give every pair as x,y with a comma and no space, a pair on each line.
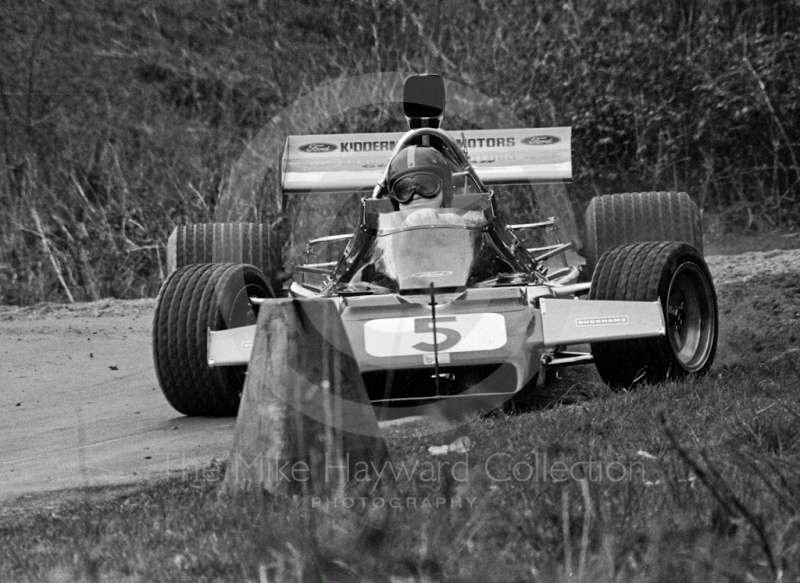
467,219
422,217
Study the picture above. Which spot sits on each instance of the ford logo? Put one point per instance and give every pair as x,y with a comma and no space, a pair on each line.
540,140
317,148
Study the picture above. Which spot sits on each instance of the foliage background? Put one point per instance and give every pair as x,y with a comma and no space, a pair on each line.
120,119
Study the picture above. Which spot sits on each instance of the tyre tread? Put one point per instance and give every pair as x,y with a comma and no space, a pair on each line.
248,243
631,217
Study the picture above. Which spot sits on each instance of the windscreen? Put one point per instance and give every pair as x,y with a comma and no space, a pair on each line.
448,248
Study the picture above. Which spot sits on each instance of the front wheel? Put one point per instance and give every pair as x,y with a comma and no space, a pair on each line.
677,275
193,300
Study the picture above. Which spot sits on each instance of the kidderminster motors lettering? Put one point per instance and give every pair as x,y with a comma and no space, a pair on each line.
376,146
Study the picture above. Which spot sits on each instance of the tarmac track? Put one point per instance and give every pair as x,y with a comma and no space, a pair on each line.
80,404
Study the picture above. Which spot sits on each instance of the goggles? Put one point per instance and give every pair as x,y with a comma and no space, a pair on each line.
425,185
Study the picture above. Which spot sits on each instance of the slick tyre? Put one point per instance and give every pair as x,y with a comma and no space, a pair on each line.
677,275
249,243
616,219
194,299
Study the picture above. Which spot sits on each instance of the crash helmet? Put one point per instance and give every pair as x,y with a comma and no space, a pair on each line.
419,170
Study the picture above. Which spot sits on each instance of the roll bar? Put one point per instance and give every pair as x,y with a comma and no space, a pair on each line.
455,153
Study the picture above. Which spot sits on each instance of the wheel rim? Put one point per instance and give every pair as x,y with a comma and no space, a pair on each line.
244,312
691,325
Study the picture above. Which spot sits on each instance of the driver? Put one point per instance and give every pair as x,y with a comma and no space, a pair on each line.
420,178
420,183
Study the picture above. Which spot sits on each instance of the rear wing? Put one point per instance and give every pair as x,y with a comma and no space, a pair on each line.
356,162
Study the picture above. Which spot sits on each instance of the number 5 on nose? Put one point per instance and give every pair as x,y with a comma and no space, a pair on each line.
424,325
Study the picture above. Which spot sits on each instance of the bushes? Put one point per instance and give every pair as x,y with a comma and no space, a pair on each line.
118,122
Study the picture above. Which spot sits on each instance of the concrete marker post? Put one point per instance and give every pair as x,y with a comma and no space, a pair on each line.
305,421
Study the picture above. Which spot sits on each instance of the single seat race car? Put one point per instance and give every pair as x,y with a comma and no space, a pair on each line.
447,303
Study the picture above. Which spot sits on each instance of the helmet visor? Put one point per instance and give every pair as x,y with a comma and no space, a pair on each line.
422,184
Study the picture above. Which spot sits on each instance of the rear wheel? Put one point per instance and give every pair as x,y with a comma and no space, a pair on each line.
194,299
677,275
248,243
616,219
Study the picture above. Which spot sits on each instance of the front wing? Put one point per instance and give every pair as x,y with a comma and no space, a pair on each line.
485,327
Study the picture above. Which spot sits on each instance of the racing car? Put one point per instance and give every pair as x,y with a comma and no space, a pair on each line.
453,306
